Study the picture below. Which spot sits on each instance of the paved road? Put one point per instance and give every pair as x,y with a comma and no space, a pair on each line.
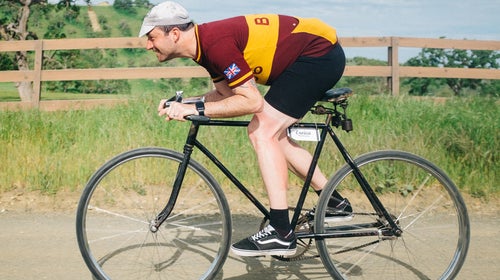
43,246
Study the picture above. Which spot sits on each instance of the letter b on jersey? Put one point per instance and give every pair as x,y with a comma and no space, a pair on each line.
262,21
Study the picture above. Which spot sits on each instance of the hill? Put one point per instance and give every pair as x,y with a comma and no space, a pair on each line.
113,23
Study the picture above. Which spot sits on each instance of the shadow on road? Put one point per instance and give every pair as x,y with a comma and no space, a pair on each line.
269,268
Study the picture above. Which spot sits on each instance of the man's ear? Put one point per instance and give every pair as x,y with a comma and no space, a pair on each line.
176,33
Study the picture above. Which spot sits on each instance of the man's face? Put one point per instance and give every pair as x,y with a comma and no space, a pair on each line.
162,44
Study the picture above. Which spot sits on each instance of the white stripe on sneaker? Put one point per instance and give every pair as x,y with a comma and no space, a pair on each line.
275,240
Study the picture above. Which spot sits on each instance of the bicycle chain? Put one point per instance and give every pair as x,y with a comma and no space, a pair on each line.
306,221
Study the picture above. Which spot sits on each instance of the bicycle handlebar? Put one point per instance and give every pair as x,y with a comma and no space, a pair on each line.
178,98
197,118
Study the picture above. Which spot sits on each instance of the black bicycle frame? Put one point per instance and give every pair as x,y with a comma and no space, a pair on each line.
325,128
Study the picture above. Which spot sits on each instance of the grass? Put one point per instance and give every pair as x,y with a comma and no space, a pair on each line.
8,92
54,151
461,135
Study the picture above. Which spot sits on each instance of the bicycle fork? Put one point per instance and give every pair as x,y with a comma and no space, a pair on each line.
181,171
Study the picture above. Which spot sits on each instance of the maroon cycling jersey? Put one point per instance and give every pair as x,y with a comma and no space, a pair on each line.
259,46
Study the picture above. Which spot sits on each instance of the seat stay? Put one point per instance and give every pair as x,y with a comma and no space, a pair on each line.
365,186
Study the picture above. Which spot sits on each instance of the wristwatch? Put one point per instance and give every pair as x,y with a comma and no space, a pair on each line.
200,107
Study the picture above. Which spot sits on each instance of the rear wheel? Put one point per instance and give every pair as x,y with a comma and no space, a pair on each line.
424,202
126,194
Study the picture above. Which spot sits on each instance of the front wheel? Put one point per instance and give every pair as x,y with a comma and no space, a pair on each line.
126,194
422,200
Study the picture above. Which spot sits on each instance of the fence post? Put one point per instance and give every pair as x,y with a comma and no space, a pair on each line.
393,60
37,81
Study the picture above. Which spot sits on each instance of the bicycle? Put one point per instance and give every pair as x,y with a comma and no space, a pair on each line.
138,219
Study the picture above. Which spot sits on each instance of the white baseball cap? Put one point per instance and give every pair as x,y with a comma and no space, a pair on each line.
166,13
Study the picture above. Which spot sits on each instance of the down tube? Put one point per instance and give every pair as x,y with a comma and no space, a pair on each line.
233,179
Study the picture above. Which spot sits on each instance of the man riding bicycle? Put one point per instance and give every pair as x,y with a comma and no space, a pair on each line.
298,58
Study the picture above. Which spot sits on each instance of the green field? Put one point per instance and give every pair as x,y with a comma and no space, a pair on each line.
54,151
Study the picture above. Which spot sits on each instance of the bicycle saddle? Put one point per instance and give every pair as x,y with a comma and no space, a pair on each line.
335,93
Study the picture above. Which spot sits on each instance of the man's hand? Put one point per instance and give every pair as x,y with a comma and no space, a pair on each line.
176,110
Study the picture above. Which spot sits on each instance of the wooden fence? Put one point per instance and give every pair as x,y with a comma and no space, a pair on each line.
393,71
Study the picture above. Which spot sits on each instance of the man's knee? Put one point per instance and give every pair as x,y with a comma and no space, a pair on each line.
261,132
257,134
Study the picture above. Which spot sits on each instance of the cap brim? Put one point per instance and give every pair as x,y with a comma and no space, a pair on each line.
145,29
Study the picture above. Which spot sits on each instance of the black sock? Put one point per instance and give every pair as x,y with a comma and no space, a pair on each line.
280,221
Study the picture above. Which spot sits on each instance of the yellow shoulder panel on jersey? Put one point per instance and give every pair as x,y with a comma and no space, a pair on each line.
316,27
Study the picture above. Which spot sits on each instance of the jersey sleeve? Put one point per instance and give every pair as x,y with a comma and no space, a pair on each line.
227,62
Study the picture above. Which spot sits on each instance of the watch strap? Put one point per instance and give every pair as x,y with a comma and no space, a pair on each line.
200,107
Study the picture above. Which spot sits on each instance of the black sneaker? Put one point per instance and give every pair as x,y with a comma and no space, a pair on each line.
340,213
266,242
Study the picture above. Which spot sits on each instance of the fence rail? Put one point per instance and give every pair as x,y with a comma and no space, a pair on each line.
393,71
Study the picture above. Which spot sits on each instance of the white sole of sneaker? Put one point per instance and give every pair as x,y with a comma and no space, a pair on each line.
245,253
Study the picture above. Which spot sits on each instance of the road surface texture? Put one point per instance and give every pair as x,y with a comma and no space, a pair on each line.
38,241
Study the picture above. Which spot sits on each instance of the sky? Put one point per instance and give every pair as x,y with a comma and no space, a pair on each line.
454,19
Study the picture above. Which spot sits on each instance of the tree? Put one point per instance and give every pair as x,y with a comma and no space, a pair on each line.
143,3
14,26
125,6
453,59
130,6
17,29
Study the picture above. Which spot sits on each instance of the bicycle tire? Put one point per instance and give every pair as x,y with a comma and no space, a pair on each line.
126,193
428,208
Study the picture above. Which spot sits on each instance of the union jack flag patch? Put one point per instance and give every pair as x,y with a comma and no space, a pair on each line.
232,71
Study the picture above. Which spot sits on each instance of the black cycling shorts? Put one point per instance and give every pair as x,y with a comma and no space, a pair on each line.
305,82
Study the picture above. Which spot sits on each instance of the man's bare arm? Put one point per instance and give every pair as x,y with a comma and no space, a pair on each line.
226,102
223,102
